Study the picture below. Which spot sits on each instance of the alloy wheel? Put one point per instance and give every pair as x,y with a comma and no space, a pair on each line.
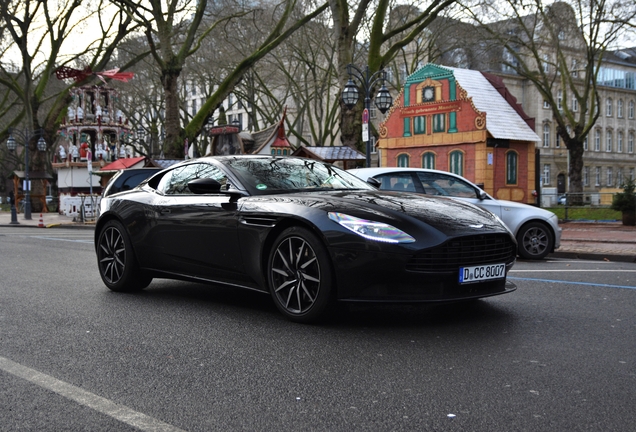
295,275
112,255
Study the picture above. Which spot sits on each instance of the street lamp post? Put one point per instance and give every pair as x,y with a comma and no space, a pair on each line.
141,135
11,145
367,81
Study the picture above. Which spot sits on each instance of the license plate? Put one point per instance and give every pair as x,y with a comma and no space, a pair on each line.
481,273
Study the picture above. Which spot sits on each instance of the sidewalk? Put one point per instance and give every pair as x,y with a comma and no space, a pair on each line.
597,240
610,241
49,220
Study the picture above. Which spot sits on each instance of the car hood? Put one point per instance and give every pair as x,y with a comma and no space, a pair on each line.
449,216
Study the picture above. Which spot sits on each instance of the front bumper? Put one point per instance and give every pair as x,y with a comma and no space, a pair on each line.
382,277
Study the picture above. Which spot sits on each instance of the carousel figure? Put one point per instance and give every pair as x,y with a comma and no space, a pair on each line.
62,153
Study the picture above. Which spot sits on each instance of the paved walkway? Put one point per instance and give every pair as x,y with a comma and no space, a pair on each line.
610,241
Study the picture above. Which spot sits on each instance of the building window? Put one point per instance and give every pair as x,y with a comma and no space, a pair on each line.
597,140
456,162
619,142
194,106
598,176
630,110
546,104
630,143
619,177
403,160
608,141
439,122
511,167
546,135
586,176
609,107
428,160
575,68
546,174
585,146
619,108
373,112
610,178
230,101
560,99
575,104
419,125
546,64
557,139
631,174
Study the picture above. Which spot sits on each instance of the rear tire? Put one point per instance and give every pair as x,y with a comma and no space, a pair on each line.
299,274
535,241
116,260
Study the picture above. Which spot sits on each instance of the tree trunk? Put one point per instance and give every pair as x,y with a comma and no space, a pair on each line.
174,147
575,151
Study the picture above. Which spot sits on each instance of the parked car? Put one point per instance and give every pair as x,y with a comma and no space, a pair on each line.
537,230
127,179
301,230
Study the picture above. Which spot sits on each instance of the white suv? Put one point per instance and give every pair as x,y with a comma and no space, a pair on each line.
537,230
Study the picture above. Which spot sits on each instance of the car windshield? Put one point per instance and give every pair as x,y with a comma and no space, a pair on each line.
276,175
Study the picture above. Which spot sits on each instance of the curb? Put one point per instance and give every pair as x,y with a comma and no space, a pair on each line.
593,256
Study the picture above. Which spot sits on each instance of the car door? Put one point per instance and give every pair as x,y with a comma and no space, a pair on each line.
196,234
435,183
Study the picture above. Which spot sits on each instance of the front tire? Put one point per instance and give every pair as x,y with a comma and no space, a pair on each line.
299,275
116,261
535,241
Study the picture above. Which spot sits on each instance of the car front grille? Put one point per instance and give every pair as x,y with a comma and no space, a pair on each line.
464,251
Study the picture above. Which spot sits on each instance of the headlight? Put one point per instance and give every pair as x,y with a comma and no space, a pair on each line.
371,230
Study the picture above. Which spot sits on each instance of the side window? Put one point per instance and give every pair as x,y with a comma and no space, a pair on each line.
402,182
175,182
440,184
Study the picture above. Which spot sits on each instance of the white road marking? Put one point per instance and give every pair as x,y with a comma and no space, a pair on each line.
88,399
62,239
572,271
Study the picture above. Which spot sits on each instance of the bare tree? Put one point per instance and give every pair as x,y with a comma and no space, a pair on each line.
301,74
173,32
367,20
33,99
559,47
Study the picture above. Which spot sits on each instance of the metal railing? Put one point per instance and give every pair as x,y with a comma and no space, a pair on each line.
595,206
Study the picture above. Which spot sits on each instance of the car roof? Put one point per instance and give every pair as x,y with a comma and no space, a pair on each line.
384,170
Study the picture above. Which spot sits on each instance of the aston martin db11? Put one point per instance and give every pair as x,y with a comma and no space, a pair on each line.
304,231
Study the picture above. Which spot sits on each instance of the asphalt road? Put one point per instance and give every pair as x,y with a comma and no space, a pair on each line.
559,354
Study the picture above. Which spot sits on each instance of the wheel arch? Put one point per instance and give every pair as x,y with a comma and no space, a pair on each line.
281,226
544,224
103,220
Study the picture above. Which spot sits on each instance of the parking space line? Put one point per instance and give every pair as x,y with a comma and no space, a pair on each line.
88,399
574,283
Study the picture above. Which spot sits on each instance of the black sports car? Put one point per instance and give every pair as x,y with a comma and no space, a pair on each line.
304,231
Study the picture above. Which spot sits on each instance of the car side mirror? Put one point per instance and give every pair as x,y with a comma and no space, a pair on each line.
481,195
374,182
204,186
